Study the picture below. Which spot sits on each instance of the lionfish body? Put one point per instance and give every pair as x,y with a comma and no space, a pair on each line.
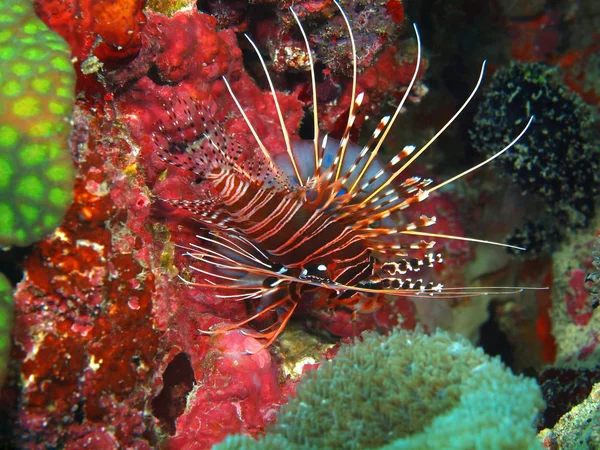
312,223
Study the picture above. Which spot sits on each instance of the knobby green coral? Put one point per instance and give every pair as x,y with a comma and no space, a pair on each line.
36,98
407,390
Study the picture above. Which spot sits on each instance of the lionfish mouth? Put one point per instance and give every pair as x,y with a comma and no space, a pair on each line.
315,225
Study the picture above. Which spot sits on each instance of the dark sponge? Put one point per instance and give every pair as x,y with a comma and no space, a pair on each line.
557,160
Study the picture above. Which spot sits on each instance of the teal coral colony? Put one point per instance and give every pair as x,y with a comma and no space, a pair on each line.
36,97
407,390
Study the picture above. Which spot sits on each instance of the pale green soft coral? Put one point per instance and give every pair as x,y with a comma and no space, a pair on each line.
37,84
407,390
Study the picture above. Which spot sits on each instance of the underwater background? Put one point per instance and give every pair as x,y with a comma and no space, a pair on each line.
100,341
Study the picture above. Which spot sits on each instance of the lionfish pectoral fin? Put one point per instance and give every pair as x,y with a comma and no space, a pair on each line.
275,329
284,307
204,211
403,266
192,140
224,329
461,238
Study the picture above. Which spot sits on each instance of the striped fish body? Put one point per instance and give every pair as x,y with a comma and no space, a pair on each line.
299,228
304,239
308,231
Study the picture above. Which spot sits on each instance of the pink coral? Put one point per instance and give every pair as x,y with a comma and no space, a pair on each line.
575,323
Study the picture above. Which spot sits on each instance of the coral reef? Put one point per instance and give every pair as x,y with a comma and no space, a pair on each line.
36,97
574,313
594,276
403,391
556,161
6,313
106,340
563,389
169,7
522,9
373,32
579,428
107,349
580,55
385,62
108,32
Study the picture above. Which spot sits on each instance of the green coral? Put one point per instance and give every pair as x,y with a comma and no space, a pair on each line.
36,98
407,390
6,315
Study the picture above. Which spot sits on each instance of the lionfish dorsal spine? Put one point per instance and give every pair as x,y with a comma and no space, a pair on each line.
365,150
313,81
286,136
353,98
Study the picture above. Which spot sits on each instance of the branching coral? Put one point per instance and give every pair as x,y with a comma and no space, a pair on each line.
557,160
407,390
36,96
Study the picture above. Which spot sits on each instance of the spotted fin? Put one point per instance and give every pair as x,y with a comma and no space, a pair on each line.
192,140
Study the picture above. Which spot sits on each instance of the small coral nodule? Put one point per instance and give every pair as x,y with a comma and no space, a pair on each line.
407,390
36,99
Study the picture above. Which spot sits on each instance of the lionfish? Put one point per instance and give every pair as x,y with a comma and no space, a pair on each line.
313,222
